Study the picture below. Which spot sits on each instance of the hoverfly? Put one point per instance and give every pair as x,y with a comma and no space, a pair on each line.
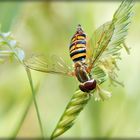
83,53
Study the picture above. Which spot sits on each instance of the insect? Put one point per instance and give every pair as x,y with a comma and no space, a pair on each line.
82,54
94,63
78,49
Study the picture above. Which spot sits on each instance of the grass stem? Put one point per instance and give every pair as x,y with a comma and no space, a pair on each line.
35,102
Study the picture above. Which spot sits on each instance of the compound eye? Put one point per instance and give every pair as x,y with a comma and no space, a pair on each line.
83,88
88,86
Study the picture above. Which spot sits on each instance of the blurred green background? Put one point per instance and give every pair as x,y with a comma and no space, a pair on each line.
46,28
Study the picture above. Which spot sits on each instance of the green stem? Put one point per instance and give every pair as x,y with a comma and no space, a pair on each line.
32,89
27,109
34,99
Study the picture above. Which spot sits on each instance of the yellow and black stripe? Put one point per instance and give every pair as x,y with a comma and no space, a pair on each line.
78,45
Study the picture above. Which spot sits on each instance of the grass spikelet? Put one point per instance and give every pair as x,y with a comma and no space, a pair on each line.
74,107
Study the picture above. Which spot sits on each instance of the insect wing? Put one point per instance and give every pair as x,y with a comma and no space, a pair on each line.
61,66
96,38
53,64
98,42
108,39
111,40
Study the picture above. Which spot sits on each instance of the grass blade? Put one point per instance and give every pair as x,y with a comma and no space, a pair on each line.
34,99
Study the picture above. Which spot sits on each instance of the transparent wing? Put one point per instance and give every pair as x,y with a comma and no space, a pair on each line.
52,64
108,40
94,44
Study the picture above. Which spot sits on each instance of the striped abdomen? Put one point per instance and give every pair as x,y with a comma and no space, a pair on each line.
78,46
